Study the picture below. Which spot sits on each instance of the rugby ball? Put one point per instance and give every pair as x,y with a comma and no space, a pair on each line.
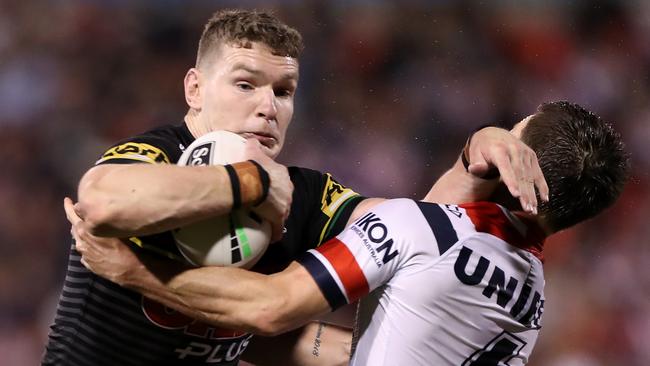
238,239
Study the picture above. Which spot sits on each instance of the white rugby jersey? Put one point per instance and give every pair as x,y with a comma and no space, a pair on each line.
442,284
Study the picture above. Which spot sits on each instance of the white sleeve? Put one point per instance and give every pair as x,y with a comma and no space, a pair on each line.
363,257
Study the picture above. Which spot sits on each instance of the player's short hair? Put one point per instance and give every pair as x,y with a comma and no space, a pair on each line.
583,160
242,27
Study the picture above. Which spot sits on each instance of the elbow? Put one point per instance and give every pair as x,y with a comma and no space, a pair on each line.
98,223
97,219
269,329
95,206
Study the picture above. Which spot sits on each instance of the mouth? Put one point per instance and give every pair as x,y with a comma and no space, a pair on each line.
266,139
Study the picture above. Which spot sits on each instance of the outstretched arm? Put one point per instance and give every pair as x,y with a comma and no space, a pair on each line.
228,297
244,300
488,148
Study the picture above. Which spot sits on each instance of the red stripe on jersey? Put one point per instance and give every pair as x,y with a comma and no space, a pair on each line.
488,217
346,267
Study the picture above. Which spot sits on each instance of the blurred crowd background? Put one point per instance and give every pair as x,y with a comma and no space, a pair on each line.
388,94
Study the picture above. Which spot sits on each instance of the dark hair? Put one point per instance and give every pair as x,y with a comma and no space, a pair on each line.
583,160
241,27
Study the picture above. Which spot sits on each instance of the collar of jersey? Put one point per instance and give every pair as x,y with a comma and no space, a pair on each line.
517,230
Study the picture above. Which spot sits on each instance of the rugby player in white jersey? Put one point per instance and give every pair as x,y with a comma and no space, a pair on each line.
440,284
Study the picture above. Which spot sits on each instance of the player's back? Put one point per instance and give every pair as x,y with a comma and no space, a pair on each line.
467,289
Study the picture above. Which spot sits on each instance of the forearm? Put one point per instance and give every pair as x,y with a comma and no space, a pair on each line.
223,296
229,297
323,344
458,186
141,199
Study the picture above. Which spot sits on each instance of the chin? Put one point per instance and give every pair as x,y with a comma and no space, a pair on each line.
271,152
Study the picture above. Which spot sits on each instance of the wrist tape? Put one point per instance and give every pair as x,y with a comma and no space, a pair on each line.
249,182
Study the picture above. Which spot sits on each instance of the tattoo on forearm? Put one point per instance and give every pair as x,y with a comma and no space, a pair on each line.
316,350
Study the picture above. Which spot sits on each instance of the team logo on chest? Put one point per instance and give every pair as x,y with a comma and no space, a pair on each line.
212,344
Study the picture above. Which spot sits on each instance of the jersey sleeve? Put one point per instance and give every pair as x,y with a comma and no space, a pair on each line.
323,205
144,148
365,256
336,203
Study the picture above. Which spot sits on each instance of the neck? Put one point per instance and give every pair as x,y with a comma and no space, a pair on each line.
194,124
502,196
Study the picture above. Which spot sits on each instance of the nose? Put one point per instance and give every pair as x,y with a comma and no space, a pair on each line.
267,107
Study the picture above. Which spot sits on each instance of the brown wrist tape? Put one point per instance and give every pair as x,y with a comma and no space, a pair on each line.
265,179
249,182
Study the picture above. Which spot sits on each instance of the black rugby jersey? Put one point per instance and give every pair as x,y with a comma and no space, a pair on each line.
100,323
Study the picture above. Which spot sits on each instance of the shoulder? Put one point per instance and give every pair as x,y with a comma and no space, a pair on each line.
400,216
304,174
322,187
420,223
316,180
163,144
173,133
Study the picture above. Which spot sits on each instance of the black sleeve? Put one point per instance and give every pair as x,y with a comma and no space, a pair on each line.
328,206
145,148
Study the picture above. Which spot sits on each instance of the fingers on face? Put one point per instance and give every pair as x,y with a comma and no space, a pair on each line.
521,173
527,174
538,177
528,199
503,161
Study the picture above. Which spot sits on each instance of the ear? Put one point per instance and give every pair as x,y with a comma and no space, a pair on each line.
192,86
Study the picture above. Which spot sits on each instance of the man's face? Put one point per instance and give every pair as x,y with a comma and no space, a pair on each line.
249,91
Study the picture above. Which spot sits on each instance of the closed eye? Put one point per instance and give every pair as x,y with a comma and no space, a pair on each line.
245,86
283,93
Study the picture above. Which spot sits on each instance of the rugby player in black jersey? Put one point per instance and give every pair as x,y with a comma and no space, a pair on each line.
244,81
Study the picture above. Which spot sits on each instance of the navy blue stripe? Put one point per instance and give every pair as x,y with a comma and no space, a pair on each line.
521,301
531,311
324,279
440,224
